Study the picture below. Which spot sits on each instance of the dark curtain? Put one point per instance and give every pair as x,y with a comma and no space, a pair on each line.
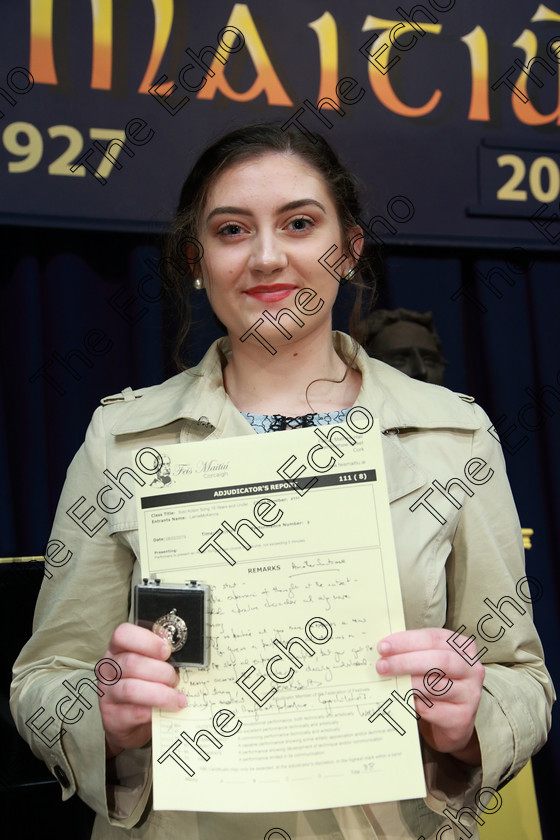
82,318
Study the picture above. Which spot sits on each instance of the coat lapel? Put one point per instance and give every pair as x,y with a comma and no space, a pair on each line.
401,404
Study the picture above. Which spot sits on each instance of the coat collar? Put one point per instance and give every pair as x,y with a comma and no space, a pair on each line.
398,401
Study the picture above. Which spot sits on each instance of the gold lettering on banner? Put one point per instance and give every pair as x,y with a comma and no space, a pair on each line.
527,41
266,81
390,43
163,14
477,43
327,34
379,81
41,59
102,53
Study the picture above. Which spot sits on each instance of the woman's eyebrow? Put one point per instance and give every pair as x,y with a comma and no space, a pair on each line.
241,211
238,211
301,202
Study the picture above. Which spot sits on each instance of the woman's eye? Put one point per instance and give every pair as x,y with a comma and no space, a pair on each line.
300,224
230,230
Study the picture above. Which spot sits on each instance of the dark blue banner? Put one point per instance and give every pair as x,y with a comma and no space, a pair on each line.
448,107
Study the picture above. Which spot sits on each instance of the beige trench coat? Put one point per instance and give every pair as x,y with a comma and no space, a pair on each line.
446,570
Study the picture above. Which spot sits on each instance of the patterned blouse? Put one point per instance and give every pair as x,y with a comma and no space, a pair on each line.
263,423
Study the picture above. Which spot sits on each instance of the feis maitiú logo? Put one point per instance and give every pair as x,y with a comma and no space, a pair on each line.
163,476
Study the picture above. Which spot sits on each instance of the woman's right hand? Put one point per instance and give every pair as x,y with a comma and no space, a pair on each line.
147,680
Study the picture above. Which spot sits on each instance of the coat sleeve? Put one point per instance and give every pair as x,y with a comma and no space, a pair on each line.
489,599
56,684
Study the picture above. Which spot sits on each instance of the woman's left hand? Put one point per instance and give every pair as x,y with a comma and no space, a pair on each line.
448,725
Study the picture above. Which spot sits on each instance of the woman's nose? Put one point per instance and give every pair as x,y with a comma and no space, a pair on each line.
268,254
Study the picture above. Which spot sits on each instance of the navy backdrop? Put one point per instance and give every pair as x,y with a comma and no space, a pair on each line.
80,321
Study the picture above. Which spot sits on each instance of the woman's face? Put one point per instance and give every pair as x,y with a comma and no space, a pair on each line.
264,226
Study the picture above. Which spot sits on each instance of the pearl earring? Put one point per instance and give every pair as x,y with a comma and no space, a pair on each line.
198,283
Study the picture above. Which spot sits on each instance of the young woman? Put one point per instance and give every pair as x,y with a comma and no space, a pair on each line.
258,210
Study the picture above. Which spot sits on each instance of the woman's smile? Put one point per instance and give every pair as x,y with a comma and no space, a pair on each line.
272,293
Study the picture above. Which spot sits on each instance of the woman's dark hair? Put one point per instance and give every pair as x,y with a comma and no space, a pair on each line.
182,250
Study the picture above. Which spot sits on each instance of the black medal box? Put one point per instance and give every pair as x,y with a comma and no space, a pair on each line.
179,614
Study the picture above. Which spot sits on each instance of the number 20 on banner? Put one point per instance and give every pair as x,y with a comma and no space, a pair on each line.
544,179
515,181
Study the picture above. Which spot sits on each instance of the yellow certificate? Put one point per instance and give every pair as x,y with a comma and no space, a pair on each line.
291,532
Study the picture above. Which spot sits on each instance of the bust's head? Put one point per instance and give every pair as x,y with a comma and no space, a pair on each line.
408,341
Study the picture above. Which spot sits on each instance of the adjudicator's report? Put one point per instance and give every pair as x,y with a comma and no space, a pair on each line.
292,533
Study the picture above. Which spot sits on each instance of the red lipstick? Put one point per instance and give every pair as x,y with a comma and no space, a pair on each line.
272,293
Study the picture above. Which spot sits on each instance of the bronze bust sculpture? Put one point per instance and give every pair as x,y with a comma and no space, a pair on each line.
406,340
